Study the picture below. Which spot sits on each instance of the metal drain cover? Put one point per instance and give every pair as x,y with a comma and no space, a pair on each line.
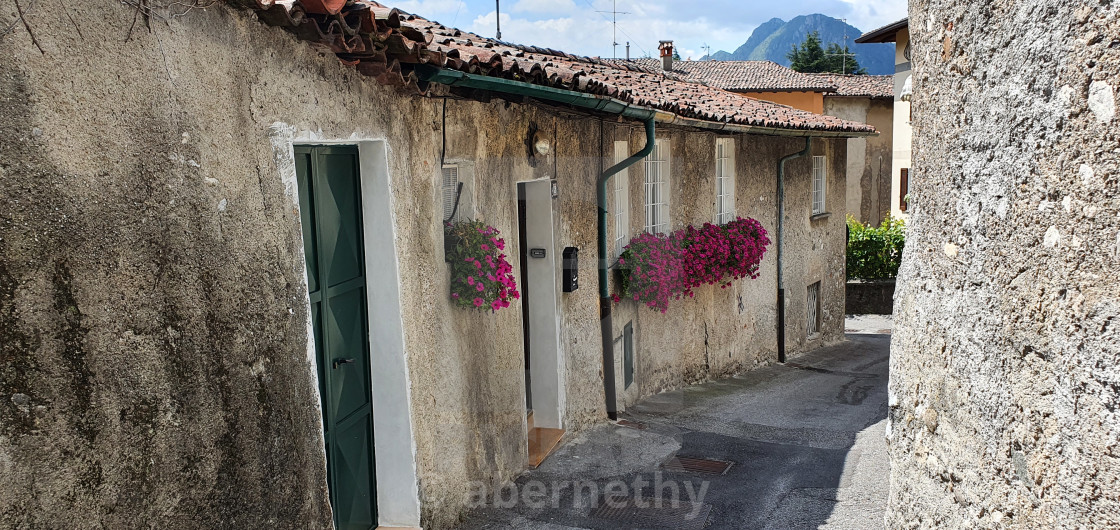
632,424
697,465
645,512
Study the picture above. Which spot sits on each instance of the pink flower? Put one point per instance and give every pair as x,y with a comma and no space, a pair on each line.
478,302
496,305
470,280
485,248
479,288
455,295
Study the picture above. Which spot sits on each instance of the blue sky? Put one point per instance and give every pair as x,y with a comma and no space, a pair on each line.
576,26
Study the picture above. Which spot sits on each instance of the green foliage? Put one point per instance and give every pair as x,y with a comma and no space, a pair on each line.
810,57
875,253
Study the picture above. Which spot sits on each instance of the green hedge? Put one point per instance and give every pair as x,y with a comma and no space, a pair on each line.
875,253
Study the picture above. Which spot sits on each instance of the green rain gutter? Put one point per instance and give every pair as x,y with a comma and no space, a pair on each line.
581,100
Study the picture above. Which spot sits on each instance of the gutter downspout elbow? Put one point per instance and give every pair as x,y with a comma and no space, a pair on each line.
604,288
781,233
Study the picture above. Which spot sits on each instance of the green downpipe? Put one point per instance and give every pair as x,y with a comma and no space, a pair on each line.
432,74
604,288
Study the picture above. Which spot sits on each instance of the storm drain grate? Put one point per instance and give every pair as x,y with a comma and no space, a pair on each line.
697,465
632,424
645,512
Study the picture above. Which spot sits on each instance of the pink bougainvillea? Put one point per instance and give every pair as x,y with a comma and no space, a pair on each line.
481,277
657,268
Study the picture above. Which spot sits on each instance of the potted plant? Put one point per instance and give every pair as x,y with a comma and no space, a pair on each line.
481,276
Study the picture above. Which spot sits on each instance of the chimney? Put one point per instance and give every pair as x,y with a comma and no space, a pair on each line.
666,48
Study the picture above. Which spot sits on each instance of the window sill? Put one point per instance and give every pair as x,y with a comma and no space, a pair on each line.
820,216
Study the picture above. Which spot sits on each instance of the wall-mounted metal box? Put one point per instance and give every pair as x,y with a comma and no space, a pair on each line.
570,278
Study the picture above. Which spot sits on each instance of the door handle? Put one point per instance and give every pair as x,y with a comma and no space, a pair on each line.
342,361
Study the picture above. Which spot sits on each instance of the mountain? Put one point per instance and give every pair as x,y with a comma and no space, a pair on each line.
773,39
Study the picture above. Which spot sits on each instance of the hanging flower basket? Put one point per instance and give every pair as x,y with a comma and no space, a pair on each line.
481,277
657,268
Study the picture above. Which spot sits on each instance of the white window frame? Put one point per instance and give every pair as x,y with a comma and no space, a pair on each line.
820,185
725,180
621,195
813,315
656,188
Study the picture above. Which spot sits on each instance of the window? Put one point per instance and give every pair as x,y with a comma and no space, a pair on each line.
450,192
903,188
657,188
725,180
621,184
813,297
820,185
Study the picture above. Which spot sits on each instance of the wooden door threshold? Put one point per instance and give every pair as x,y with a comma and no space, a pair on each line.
542,442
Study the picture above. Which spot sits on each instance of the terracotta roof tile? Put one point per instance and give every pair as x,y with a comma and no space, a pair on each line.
869,86
387,44
744,76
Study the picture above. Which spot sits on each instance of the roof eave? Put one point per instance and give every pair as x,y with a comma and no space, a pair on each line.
884,34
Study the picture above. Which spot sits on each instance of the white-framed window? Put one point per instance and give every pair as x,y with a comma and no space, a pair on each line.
657,188
725,180
450,189
621,195
820,184
813,316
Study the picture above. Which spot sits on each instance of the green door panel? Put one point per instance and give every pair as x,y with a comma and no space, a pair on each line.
331,218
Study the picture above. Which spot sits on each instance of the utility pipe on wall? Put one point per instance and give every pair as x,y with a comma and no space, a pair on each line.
604,288
781,233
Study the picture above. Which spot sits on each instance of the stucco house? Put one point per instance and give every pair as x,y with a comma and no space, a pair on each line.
859,98
899,34
224,300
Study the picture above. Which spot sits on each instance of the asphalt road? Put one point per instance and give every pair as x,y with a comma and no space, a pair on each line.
805,441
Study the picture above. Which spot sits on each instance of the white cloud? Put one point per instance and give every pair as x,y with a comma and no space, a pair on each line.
871,14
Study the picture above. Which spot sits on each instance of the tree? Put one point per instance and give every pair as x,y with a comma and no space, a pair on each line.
811,58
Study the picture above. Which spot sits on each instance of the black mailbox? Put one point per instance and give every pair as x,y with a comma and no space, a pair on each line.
571,269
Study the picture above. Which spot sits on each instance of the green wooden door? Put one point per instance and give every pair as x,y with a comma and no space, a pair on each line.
331,213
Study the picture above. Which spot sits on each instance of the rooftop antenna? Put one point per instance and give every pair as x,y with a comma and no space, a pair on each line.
844,56
614,27
627,50
498,18
707,49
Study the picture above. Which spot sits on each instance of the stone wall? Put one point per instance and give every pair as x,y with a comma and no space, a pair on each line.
153,309
1005,384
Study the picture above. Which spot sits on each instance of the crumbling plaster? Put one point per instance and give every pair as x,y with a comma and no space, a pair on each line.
152,296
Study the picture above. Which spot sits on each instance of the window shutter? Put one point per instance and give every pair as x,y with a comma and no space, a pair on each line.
450,189
903,188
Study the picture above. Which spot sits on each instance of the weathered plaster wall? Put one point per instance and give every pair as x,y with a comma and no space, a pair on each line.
868,159
726,331
810,101
1004,368
154,358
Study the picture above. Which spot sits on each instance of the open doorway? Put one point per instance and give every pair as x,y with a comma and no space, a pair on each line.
540,308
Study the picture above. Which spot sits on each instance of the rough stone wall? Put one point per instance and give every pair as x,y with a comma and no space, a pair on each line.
1004,368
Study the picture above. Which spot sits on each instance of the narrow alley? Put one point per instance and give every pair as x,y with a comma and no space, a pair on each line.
805,443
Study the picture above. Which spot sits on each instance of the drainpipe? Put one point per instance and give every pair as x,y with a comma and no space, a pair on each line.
604,289
432,74
781,232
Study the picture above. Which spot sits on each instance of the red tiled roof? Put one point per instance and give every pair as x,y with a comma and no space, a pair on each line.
868,86
386,43
744,76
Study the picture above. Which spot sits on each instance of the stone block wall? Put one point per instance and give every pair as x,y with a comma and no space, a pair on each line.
1005,362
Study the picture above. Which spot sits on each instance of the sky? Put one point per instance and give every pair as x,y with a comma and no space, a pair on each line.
583,26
